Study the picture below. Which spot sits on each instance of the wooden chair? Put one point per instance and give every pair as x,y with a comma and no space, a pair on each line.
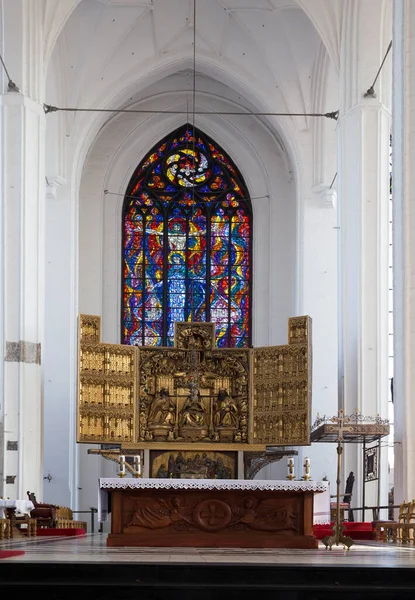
30,525
5,529
401,530
345,503
65,520
45,514
407,529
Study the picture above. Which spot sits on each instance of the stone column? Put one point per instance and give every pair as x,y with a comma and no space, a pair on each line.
363,191
22,260
403,159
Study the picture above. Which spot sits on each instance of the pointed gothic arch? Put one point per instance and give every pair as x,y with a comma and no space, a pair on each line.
187,243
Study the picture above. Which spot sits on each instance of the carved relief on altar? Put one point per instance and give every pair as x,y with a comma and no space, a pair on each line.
226,512
193,395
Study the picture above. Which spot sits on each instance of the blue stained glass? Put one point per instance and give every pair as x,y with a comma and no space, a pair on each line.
177,300
177,271
200,144
175,314
177,287
165,281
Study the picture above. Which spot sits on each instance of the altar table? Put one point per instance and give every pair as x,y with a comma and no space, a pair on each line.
214,513
9,508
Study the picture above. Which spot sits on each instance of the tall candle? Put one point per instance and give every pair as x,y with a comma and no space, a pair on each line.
122,464
137,464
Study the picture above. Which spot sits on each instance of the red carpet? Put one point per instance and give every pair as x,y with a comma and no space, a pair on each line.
9,553
357,531
45,531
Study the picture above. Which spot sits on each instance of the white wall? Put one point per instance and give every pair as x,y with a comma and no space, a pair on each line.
282,159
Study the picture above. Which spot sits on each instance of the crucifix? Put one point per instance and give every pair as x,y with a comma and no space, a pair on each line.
337,536
341,420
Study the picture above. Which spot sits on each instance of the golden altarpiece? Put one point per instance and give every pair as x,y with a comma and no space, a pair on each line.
194,406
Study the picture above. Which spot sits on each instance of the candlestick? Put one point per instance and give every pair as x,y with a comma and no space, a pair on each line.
290,468
306,475
122,466
137,465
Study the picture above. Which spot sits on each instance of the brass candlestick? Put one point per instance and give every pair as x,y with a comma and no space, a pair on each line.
290,469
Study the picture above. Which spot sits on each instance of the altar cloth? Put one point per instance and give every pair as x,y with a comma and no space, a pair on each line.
321,509
22,506
111,483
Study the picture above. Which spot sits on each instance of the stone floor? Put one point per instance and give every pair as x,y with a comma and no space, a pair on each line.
92,548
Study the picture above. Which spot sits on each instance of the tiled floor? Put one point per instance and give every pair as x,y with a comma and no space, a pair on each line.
92,548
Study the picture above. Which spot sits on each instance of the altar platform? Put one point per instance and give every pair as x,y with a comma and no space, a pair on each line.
86,568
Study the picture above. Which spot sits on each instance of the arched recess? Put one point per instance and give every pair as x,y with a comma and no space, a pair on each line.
187,243
110,164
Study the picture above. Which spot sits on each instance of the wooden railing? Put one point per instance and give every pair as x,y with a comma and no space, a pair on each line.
375,511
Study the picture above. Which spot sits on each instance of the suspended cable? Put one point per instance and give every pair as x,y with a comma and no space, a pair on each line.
11,87
333,180
370,93
194,68
192,291
108,193
48,108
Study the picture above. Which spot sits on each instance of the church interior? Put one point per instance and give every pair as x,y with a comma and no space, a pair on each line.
219,402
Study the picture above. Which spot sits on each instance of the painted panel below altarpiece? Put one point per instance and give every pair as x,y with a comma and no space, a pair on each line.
178,464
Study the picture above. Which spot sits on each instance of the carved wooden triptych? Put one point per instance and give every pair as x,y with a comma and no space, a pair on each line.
194,395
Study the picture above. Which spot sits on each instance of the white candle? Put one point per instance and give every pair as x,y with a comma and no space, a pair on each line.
122,464
137,464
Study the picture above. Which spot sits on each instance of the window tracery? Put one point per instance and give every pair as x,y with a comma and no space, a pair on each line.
187,243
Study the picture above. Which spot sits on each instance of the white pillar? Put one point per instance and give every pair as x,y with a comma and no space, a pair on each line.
22,261
363,191
404,246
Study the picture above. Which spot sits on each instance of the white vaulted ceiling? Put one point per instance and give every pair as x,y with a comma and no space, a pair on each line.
108,46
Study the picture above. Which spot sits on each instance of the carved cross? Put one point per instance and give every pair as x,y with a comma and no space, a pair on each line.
341,421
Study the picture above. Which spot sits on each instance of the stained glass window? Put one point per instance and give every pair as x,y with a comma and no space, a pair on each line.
187,243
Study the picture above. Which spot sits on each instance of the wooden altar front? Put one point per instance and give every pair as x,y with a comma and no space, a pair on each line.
209,513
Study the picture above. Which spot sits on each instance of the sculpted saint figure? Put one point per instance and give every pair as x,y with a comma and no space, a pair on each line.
226,413
193,413
162,410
